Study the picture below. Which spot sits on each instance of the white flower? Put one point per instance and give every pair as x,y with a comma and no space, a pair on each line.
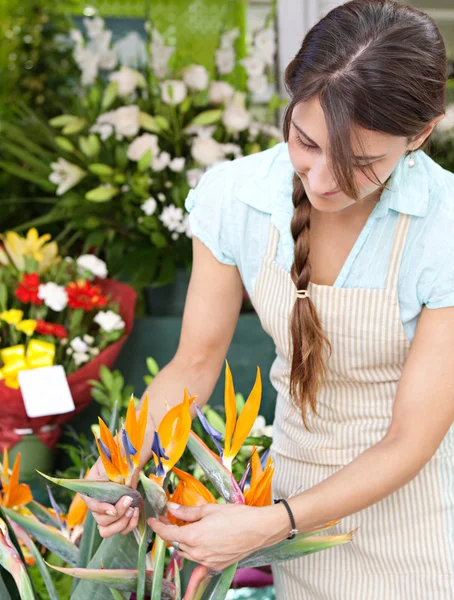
161,197
53,295
160,54
206,151
92,263
225,60
203,131
108,60
149,206
236,117
173,91
220,92
109,321
88,339
229,37
80,358
94,351
128,80
232,149
78,345
172,218
254,65
105,130
94,26
76,36
265,44
159,163
258,426
127,121
177,164
196,77
131,50
65,175
447,122
193,177
138,147
175,236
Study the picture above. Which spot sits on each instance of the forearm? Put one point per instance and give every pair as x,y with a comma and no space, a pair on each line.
373,475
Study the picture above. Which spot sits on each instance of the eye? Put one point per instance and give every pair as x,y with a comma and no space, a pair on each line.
305,146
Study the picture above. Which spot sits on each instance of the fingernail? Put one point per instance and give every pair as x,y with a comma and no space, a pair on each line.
110,513
173,506
136,512
127,501
129,512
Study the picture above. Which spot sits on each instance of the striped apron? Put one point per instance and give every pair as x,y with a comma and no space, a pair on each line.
404,546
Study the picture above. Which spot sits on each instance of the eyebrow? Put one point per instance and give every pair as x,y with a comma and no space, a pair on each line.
315,144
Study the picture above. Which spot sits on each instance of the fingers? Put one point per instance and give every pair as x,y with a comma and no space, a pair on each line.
100,508
190,513
122,525
171,533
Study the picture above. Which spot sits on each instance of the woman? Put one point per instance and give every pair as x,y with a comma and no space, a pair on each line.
343,238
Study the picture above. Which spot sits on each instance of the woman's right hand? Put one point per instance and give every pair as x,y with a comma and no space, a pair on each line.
111,518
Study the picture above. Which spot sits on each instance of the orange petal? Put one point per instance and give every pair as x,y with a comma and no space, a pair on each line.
142,421
174,432
256,466
112,472
230,409
15,493
247,416
261,493
121,461
194,492
77,512
131,422
108,439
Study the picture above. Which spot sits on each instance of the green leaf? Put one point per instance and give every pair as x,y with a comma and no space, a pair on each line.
185,105
44,571
158,239
43,514
27,157
106,376
148,122
22,173
3,296
144,162
12,562
208,117
62,120
65,144
223,582
154,494
47,536
89,543
124,580
162,122
109,95
90,145
101,169
76,125
152,366
301,545
158,569
220,476
102,193
116,594
121,156
105,491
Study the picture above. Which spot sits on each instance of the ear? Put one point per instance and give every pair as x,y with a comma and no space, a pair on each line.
419,141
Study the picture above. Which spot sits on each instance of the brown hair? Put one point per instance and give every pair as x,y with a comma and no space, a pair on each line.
376,64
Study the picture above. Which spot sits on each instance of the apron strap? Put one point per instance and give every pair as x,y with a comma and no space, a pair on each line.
397,251
273,241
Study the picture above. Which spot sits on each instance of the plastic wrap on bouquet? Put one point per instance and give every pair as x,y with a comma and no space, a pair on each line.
13,418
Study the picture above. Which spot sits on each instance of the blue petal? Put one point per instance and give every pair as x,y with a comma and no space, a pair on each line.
214,434
127,445
105,450
56,508
245,476
264,458
157,448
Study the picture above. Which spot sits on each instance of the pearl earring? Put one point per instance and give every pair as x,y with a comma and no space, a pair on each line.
411,162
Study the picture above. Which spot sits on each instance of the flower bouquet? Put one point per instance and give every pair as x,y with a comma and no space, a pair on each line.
55,311
122,164
141,563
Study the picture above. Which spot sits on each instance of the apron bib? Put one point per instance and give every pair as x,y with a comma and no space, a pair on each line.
403,548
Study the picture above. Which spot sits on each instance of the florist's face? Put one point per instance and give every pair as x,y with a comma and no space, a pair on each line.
308,149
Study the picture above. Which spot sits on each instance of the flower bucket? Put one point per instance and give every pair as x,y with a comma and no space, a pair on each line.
13,417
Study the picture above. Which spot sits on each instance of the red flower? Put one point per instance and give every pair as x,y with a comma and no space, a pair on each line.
82,294
45,328
27,290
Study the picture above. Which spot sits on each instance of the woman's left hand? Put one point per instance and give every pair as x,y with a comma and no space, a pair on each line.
221,534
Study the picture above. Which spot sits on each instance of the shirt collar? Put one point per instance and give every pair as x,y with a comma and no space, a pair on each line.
408,188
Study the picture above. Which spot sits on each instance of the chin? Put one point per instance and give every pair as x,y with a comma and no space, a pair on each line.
329,204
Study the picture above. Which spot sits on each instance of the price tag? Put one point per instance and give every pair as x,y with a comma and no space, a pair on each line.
45,391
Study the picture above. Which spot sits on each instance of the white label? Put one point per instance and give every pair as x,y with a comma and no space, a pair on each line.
46,391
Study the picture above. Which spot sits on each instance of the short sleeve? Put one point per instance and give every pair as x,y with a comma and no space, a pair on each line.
208,215
440,294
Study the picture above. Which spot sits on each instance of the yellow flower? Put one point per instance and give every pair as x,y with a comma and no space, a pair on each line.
32,246
27,326
12,317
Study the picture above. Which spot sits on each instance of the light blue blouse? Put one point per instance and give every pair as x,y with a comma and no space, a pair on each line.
235,202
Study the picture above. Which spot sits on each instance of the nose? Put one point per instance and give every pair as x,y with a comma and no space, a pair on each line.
320,178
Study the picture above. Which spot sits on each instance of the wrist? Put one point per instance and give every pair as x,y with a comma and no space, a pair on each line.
277,524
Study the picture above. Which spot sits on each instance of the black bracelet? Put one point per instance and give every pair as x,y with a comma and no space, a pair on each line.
294,530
